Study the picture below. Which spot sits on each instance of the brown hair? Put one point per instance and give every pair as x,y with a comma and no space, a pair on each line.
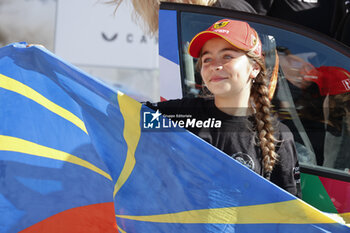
146,11
264,122
260,96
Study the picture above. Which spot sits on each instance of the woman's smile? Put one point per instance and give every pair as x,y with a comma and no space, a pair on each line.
217,79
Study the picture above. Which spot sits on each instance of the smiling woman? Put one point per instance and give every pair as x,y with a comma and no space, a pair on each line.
231,64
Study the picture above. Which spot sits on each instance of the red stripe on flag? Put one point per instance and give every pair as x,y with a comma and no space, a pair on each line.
86,219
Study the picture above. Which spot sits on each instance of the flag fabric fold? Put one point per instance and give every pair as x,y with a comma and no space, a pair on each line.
75,156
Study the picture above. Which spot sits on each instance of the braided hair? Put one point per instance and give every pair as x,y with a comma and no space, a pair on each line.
264,126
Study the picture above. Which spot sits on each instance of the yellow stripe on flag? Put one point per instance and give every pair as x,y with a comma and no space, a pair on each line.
121,230
14,144
18,87
130,110
280,212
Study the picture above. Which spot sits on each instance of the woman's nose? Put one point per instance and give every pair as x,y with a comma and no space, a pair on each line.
218,67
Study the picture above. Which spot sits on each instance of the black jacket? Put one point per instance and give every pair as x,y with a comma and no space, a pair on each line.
237,138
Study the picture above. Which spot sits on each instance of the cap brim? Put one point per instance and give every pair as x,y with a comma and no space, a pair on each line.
201,38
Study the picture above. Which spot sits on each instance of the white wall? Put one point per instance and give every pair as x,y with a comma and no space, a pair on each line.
93,35
34,21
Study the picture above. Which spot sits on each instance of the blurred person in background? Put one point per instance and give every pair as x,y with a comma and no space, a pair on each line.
324,16
334,88
146,11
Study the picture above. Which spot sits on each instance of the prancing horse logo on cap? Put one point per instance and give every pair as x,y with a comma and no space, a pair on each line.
220,24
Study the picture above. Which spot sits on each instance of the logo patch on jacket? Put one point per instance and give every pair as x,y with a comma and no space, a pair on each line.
244,159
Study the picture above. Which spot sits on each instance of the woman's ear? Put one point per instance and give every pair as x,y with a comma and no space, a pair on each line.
255,70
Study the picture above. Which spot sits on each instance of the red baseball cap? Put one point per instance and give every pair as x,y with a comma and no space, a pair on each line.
237,33
331,80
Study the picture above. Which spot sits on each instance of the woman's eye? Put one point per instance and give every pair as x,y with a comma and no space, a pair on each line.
206,60
228,56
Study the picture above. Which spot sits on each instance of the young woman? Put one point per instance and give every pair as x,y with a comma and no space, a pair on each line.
232,67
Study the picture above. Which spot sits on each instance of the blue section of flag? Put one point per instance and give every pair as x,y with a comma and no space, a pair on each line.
34,188
10,214
168,172
168,42
40,185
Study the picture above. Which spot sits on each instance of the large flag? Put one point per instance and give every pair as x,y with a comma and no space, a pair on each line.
52,178
75,156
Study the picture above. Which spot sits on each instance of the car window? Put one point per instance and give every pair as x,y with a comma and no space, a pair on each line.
312,95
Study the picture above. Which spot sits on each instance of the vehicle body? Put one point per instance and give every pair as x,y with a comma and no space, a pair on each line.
292,52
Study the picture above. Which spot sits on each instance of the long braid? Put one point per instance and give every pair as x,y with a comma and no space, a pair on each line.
265,129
